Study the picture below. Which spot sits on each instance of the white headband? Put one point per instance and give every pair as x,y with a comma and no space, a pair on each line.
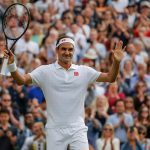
66,40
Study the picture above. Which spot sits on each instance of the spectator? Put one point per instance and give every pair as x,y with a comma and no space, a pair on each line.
6,103
7,131
145,142
129,107
120,121
37,141
113,95
108,141
140,94
143,118
133,140
102,109
94,127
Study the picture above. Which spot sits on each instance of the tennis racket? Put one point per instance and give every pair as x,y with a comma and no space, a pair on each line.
15,22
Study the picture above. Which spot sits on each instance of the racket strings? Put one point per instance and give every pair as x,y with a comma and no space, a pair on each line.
15,23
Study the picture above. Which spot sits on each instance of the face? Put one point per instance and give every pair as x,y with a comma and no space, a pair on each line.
37,129
144,112
132,135
4,117
65,53
6,101
129,103
120,108
12,22
128,65
107,131
142,134
29,118
113,87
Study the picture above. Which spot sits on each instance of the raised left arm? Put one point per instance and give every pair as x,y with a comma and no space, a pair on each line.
118,54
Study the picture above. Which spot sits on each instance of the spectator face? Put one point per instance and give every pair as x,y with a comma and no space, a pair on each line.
29,119
144,112
142,134
6,101
68,19
4,118
128,65
113,88
28,35
101,101
132,134
93,35
130,49
129,103
107,131
80,20
120,107
148,101
12,22
65,52
37,128
141,87
141,70
46,17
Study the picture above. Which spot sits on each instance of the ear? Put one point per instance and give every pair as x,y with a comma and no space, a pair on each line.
57,48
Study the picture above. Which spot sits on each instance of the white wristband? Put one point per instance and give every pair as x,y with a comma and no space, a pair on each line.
12,67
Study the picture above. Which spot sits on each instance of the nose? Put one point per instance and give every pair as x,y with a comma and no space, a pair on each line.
67,52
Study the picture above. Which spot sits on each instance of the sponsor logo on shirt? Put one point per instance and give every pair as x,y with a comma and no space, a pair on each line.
76,73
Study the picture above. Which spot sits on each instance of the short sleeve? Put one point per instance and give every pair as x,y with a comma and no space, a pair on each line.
91,74
36,76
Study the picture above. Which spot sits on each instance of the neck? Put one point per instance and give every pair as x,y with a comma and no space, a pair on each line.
64,65
4,124
133,143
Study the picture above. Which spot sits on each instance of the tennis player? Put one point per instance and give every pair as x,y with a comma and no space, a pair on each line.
64,86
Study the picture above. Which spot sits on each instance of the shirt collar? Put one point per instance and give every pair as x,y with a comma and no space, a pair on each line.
72,67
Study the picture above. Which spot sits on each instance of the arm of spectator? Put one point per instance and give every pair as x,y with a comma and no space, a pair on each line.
118,55
12,138
97,124
27,144
116,144
128,122
13,120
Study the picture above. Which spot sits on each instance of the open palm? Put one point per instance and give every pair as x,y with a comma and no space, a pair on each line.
119,51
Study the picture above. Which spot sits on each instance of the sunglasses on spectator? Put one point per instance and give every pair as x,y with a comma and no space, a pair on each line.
145,110
142,133
67,18
107,129
6,100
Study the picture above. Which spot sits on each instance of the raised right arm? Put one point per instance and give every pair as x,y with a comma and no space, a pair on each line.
21,79
17,76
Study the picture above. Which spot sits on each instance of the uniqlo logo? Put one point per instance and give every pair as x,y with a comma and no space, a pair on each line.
76,73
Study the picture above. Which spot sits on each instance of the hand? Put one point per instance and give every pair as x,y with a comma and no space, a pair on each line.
9,55
118,52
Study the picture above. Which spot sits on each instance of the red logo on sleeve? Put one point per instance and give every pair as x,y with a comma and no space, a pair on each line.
76,73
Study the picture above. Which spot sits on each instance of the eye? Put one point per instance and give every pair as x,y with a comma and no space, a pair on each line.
63,48
70,49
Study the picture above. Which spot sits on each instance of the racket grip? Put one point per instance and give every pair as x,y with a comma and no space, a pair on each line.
4,67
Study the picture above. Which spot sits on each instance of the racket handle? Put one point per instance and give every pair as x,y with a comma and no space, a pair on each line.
4,67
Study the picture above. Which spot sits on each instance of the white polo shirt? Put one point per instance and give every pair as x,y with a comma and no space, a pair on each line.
64,91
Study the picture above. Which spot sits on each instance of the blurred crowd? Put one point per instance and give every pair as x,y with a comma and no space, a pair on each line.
117,114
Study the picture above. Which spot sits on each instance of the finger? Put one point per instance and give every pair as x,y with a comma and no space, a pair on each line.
116,45
120,45
124,48
6,56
